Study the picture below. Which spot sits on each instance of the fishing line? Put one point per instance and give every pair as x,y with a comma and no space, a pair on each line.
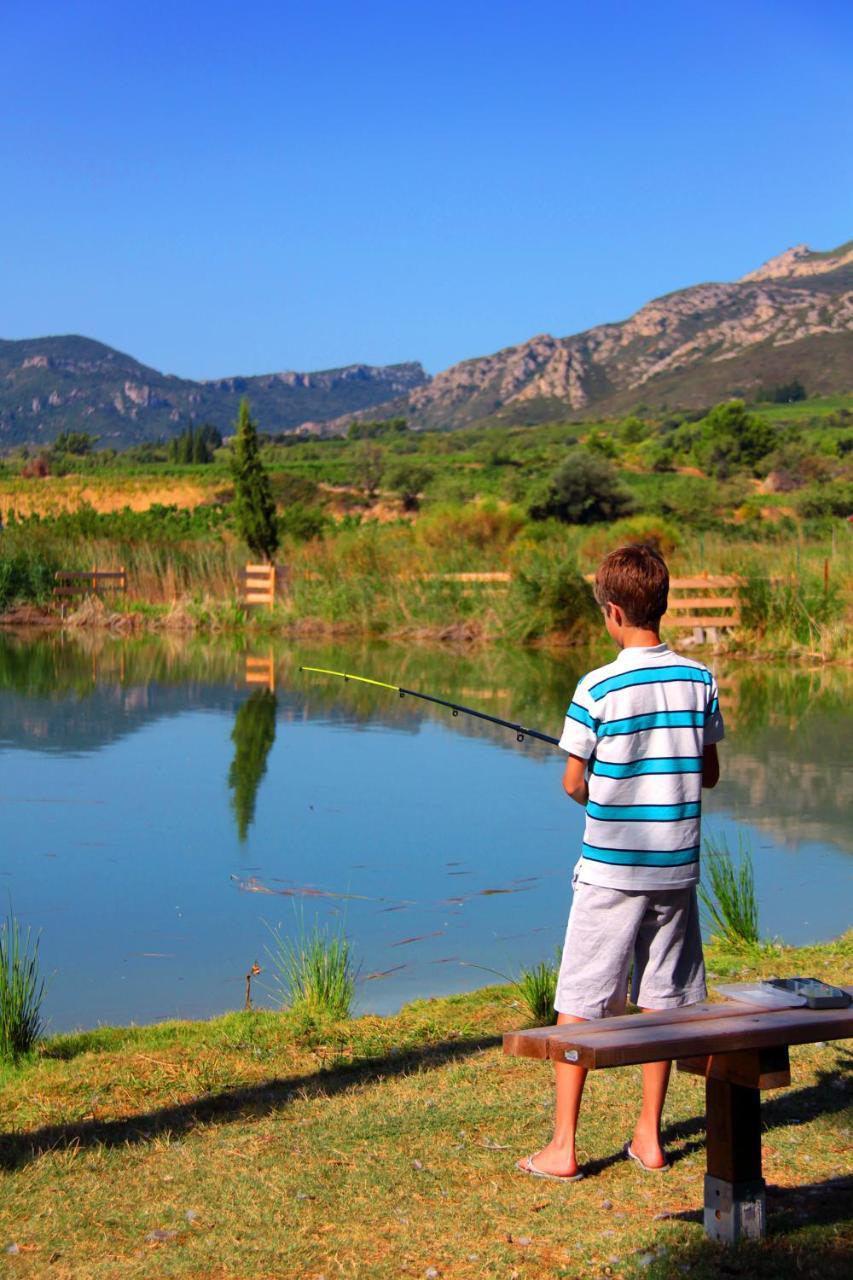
521,731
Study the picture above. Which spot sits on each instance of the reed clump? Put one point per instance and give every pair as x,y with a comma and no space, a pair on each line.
730,900
537,987
21,991
313,972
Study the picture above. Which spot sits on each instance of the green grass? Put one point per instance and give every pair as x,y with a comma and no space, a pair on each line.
258,1145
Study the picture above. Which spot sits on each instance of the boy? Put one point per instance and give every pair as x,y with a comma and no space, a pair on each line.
641,734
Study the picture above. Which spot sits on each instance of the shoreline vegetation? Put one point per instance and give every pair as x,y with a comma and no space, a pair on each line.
371,527
271,1143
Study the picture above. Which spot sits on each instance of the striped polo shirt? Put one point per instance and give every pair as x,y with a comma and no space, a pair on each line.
642,722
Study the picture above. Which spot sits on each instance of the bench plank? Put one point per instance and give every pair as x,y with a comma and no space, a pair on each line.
756,1030
534,1041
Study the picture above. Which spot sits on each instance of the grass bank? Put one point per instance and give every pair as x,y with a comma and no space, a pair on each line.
269,1145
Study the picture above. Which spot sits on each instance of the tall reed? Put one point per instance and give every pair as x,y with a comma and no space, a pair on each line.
314,972
538,988
21,991
731,902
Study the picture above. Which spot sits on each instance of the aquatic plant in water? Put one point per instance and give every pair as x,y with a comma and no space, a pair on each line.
21,991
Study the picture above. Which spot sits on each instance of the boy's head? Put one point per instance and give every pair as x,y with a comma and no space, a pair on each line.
631,586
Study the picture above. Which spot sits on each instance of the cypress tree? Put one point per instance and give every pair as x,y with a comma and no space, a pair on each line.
254,507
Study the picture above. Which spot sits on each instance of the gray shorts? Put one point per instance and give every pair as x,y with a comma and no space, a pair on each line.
608,928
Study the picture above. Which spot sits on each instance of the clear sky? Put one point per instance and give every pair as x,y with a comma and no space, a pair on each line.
221,188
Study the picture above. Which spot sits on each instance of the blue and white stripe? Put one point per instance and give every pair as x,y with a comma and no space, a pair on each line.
643,722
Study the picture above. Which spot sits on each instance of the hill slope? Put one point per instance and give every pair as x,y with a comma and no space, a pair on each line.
791,318
49,385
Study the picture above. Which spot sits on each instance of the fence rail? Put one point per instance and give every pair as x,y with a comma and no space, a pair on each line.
94,581
259,584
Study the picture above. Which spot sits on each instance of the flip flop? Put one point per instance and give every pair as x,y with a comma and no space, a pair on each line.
649,1168
527,1166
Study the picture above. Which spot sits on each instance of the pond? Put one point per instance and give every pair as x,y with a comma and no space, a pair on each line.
161,816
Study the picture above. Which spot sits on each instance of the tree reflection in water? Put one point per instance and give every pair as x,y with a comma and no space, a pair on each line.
253,735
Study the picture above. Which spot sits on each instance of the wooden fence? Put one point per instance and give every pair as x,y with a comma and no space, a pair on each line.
83,582
704,604
261,671
259,584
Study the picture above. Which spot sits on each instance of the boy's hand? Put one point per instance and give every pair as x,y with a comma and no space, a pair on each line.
710,766
574,780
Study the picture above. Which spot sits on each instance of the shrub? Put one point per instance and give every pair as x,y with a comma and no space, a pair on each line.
409,479
583,490
25,575
648,531
21,991
551,596
731,439
835,498
483,525
302,523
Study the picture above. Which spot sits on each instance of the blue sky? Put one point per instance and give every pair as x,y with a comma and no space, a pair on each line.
224,188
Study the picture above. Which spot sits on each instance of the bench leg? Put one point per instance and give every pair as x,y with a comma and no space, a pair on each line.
735,1205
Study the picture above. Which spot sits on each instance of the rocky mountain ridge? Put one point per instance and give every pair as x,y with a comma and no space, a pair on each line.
50,385
793,317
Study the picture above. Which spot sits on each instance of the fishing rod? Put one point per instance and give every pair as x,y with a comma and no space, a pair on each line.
521,731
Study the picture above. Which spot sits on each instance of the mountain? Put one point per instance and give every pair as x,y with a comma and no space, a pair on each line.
792,318
49,385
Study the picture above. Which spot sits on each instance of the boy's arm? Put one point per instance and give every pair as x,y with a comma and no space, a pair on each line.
574,782
710,766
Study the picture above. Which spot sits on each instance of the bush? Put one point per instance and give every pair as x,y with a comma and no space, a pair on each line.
552,596
409,479
648,531
302,523
731,439
483,525
583,490
25,575
835,498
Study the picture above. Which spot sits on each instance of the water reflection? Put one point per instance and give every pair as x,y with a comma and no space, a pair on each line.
135,826
253,736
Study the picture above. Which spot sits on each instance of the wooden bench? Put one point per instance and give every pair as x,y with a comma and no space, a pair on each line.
739,1048
71,583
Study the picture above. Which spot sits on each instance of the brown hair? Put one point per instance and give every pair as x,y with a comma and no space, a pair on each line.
637,579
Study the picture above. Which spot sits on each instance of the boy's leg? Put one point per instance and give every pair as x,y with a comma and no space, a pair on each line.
669,973
646,1140
559,1155
592,979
